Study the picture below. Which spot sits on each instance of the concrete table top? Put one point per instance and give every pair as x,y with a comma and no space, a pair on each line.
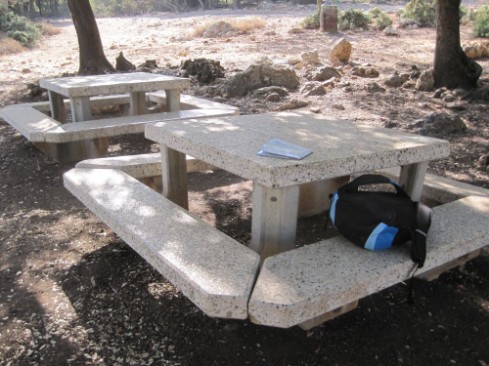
339,147
91,85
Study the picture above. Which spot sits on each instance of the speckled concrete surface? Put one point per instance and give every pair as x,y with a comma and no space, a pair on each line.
213,270
125,125
232,143
302,284
141,165
79,86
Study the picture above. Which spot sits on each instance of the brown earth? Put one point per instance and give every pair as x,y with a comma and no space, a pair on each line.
72,293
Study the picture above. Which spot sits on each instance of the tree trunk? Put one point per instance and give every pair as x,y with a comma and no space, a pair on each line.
92,56
452,68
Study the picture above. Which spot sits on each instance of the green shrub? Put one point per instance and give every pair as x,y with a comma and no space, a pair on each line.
380,19
23,30
423,12
481,22
312,21
353,19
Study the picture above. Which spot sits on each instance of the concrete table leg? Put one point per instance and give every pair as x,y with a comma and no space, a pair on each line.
172,100
314,196
57,105
274,219
411,179
137,102
174,176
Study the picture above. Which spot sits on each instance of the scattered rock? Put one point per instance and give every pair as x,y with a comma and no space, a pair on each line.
426,81
476,51
313,88
457,106
340,107
483,161
341,52
449,97
315,109
438,92
258,76
391,32
410,84
310,58
273,97
368,72
323,74
440,123
263,92
397,79
375,88
26,71
148,65
122,64
205,70
294,104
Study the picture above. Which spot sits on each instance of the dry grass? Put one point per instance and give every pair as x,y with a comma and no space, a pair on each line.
47,29
228,27
9,46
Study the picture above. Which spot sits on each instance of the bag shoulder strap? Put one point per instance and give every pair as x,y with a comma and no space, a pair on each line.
371,179
423,223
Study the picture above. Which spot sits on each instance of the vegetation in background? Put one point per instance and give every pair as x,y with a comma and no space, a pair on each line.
423,12
18,27
481,22
353,19
229,27
380,19
312,21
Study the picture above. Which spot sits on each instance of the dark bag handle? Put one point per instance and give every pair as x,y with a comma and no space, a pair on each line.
372,179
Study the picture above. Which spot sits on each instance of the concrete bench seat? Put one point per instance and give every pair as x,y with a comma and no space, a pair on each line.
213,270
140,166
159,97
312,284
30,122
125,125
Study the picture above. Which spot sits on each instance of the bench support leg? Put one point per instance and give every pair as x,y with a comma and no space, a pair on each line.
320,319
434,273
81,110
274,219
174,176
412,179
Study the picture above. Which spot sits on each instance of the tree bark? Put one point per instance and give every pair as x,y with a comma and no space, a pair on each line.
92,56
452,68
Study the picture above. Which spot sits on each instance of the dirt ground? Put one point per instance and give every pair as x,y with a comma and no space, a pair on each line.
73,293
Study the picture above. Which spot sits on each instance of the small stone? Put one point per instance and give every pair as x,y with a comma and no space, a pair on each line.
294,104
370,72
375,88
426,81
397,79
483,161
313,88
310,58
341,52
391,32
273,97
323,74
340,107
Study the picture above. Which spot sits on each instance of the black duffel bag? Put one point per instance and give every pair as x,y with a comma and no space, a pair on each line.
378,220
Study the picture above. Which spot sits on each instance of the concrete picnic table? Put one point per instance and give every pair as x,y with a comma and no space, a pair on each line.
79,90
339,148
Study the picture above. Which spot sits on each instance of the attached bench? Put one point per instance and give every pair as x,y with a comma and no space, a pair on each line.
213,270
312,284
57,139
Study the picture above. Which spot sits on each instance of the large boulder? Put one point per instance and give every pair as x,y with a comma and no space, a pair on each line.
204,70
259,76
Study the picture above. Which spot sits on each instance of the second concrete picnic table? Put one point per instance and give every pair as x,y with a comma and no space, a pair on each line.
339,148
79,90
